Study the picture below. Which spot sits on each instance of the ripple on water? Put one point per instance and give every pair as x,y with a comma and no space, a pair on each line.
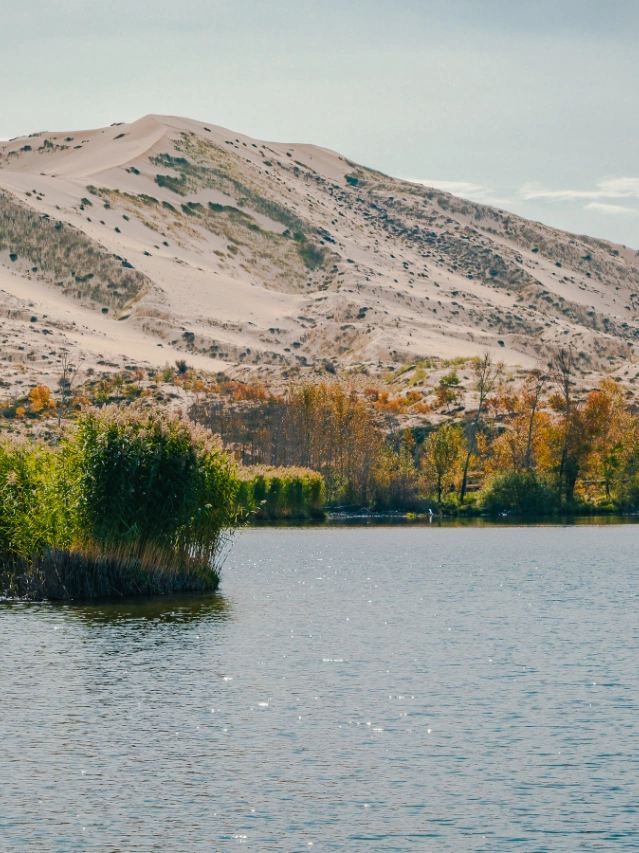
448,689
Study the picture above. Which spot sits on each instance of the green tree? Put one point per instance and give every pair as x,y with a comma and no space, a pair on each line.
448,391
443,451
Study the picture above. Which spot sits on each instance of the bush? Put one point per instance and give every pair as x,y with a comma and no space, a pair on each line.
34,514
170,182
520,493
312,255
628,493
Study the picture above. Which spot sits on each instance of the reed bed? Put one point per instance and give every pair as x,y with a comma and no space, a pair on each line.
268,493
87,574
128,504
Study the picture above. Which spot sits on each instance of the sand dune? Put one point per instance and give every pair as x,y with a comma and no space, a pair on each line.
268,259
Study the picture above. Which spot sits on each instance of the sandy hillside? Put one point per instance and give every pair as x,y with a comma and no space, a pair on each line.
167,238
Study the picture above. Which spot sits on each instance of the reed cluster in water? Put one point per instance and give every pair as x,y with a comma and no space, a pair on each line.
128,503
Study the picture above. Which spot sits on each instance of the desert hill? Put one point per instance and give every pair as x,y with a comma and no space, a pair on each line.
168,238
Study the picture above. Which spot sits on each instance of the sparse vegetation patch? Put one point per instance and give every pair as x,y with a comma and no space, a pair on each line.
82,267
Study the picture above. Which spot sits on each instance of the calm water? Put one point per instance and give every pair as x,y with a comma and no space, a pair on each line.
352,689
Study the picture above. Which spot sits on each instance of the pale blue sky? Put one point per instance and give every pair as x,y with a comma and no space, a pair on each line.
531,105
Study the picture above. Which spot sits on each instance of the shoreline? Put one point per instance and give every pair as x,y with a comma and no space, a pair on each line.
390,518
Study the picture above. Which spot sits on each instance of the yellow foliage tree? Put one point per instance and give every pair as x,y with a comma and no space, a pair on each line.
40,399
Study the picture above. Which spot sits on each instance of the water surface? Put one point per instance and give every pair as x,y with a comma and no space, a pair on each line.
395,688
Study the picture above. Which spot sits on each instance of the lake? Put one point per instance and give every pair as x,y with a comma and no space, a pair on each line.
379,688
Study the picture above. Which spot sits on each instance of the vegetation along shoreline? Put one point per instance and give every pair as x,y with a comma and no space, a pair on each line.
106,493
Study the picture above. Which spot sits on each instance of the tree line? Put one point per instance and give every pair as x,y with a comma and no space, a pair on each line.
534,448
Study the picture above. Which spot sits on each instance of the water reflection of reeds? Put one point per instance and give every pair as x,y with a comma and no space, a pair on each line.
166,609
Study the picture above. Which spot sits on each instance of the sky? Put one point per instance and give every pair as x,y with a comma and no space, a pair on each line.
530,105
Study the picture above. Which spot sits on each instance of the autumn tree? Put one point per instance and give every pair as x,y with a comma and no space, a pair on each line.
578,424
65,382
486,374
332,430
516,448
562,368
40,399
532,397
396,475
611,431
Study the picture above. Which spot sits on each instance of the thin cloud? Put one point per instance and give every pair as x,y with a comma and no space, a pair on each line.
464,189
611,209
602,199
606,188
621,187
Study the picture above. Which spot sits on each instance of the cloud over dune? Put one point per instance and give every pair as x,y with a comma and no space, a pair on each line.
465,189
613,209
624,187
